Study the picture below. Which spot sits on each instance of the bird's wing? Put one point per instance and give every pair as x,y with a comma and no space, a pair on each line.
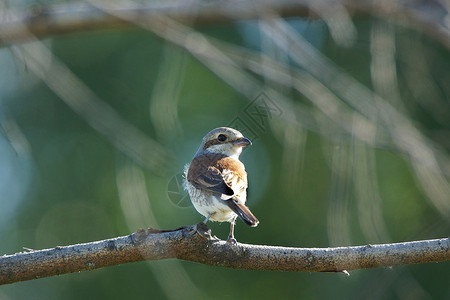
212,180
219,174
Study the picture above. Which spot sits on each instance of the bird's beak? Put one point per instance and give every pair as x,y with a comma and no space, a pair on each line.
242,142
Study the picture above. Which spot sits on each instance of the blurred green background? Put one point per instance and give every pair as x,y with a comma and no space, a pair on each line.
66,177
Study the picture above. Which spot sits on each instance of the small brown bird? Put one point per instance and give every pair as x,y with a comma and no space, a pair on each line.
216,180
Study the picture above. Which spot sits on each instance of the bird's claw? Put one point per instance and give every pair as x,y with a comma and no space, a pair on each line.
232,241
204,231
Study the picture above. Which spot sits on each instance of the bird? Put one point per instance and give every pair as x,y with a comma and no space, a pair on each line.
216,180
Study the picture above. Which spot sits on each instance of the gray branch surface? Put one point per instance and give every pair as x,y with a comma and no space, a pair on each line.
195,243
45,21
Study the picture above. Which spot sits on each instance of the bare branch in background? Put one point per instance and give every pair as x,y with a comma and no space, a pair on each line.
337,97
42,21
97,113
194,243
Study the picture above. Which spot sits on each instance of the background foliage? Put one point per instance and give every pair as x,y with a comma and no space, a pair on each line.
63,182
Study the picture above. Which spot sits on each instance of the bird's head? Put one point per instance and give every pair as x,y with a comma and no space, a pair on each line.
223,140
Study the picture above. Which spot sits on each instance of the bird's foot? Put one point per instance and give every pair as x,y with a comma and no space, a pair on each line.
204,231
231,240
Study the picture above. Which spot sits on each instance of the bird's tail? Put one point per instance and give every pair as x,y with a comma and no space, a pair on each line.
243,212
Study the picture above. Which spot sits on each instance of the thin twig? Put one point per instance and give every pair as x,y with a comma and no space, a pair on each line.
195,243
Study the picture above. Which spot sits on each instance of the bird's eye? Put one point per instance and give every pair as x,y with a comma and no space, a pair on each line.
222,138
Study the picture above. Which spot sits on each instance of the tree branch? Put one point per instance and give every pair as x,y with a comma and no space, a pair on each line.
45,21
195,243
